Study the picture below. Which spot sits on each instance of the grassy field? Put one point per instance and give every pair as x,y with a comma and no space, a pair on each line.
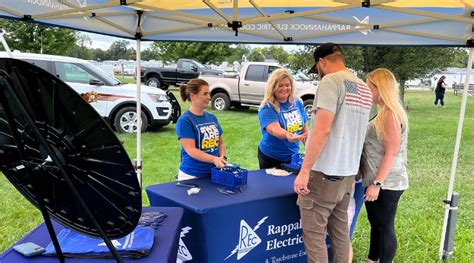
420,215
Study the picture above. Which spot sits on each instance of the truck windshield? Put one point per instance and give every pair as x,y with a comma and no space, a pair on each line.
199,65
108,79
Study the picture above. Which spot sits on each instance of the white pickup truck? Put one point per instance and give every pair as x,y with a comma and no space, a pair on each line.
247,88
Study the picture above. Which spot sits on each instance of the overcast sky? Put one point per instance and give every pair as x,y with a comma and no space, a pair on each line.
104,42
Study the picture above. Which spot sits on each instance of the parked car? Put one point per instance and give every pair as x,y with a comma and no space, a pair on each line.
247,87
185,70
113,100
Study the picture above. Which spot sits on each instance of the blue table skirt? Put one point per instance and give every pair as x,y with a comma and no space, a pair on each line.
164,249
263,222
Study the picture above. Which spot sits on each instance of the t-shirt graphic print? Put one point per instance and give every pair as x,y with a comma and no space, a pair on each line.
357,95
208,137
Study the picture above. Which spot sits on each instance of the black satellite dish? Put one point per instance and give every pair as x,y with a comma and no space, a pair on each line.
62,156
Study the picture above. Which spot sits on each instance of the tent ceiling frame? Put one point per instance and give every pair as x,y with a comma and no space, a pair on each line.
147,8
260,10
235,25
235,11
426,14
178,19
386,27
113,3
217,10
93,14
114,25
11,11
298,14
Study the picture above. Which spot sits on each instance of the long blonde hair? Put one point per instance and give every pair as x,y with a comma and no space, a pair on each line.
388,91
272,84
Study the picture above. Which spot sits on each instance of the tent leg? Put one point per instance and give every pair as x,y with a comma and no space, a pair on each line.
449,238
138,161
462,113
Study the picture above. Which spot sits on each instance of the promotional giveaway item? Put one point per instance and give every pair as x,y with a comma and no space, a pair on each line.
62,156
135,245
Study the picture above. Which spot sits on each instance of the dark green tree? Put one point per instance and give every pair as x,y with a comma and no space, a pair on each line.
98,54
36,38
237,52
277,52
202,52
118,50
82,48
256,55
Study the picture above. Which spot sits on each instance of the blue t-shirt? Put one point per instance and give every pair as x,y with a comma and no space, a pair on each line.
206,131
292,119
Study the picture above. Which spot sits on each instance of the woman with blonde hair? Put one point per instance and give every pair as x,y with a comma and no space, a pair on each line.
384,164
282,121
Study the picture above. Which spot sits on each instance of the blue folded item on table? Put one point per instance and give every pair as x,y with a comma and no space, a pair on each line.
295,165
135,245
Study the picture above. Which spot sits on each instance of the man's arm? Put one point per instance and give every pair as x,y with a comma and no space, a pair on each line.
317,141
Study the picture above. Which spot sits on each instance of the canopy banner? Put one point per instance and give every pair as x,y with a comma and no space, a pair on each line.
376,22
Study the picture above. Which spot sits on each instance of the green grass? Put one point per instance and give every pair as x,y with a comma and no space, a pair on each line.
420,214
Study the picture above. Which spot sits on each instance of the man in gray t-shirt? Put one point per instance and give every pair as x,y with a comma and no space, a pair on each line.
338,126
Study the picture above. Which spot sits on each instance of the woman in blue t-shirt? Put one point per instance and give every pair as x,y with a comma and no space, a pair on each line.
282,121
199,133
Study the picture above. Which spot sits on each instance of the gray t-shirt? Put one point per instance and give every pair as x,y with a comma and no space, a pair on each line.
350,99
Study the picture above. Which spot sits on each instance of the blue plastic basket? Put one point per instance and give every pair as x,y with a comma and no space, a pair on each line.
229,177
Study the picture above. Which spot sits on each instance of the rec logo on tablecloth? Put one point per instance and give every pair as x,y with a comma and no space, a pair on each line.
248,239
183,252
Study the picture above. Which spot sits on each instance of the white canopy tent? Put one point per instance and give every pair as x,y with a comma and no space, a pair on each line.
355,22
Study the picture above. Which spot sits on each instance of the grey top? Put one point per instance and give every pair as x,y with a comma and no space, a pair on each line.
372,155
350,99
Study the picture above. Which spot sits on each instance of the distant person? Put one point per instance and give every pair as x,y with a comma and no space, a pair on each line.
339,122
199,133
282,121
439,91
384,165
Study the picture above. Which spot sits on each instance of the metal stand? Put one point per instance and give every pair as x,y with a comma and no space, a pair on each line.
6,89
451,227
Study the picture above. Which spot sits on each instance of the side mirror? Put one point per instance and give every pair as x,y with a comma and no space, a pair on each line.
194,68
96,82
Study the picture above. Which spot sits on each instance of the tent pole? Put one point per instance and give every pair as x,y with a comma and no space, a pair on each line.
462,112
138,161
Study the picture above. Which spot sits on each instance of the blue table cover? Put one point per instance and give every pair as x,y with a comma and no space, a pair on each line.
261,224
164,249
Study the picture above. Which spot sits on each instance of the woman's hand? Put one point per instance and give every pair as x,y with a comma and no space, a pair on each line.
219,162
372,193
293,138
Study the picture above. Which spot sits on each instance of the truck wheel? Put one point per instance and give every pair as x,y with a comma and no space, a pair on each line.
125,120
308,107
153,82
220,101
